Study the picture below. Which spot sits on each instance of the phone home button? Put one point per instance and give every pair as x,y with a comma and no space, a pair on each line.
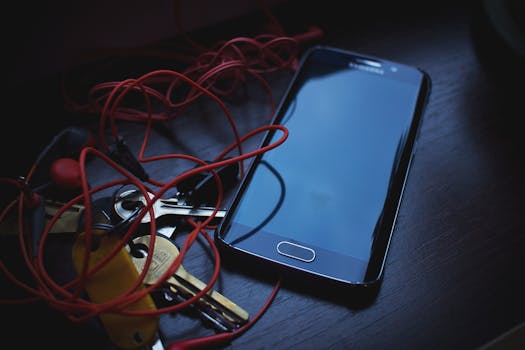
296,251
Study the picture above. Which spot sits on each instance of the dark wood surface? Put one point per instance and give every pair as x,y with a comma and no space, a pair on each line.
454,272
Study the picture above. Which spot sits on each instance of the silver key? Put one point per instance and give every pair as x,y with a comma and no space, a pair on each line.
130,200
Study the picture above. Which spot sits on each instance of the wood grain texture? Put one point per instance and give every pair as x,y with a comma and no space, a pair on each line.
453,276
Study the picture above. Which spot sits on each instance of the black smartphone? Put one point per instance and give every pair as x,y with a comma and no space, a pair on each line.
324,203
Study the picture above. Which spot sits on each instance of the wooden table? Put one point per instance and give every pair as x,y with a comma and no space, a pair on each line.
453,275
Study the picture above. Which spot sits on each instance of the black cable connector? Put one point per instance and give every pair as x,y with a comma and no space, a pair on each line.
201,189
121,154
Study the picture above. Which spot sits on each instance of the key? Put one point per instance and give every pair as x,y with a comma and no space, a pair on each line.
119,274
130,200
184,284
220,310
66,223
208,314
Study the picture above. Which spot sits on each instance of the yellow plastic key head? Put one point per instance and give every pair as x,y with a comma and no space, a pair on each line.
113,279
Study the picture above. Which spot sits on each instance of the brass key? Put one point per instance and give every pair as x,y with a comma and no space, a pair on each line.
185,284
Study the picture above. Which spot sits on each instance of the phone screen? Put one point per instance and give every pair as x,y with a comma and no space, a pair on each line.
330,192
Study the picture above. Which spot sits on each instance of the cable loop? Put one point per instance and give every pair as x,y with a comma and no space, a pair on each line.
163,95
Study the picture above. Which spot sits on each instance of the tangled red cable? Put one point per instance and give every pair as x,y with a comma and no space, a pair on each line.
230,62
215,73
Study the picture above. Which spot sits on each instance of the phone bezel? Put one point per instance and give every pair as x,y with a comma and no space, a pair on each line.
374,269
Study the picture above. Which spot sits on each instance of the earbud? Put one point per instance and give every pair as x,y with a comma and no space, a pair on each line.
60,169
65,173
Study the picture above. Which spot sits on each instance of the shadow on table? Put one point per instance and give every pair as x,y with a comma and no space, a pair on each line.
353,297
